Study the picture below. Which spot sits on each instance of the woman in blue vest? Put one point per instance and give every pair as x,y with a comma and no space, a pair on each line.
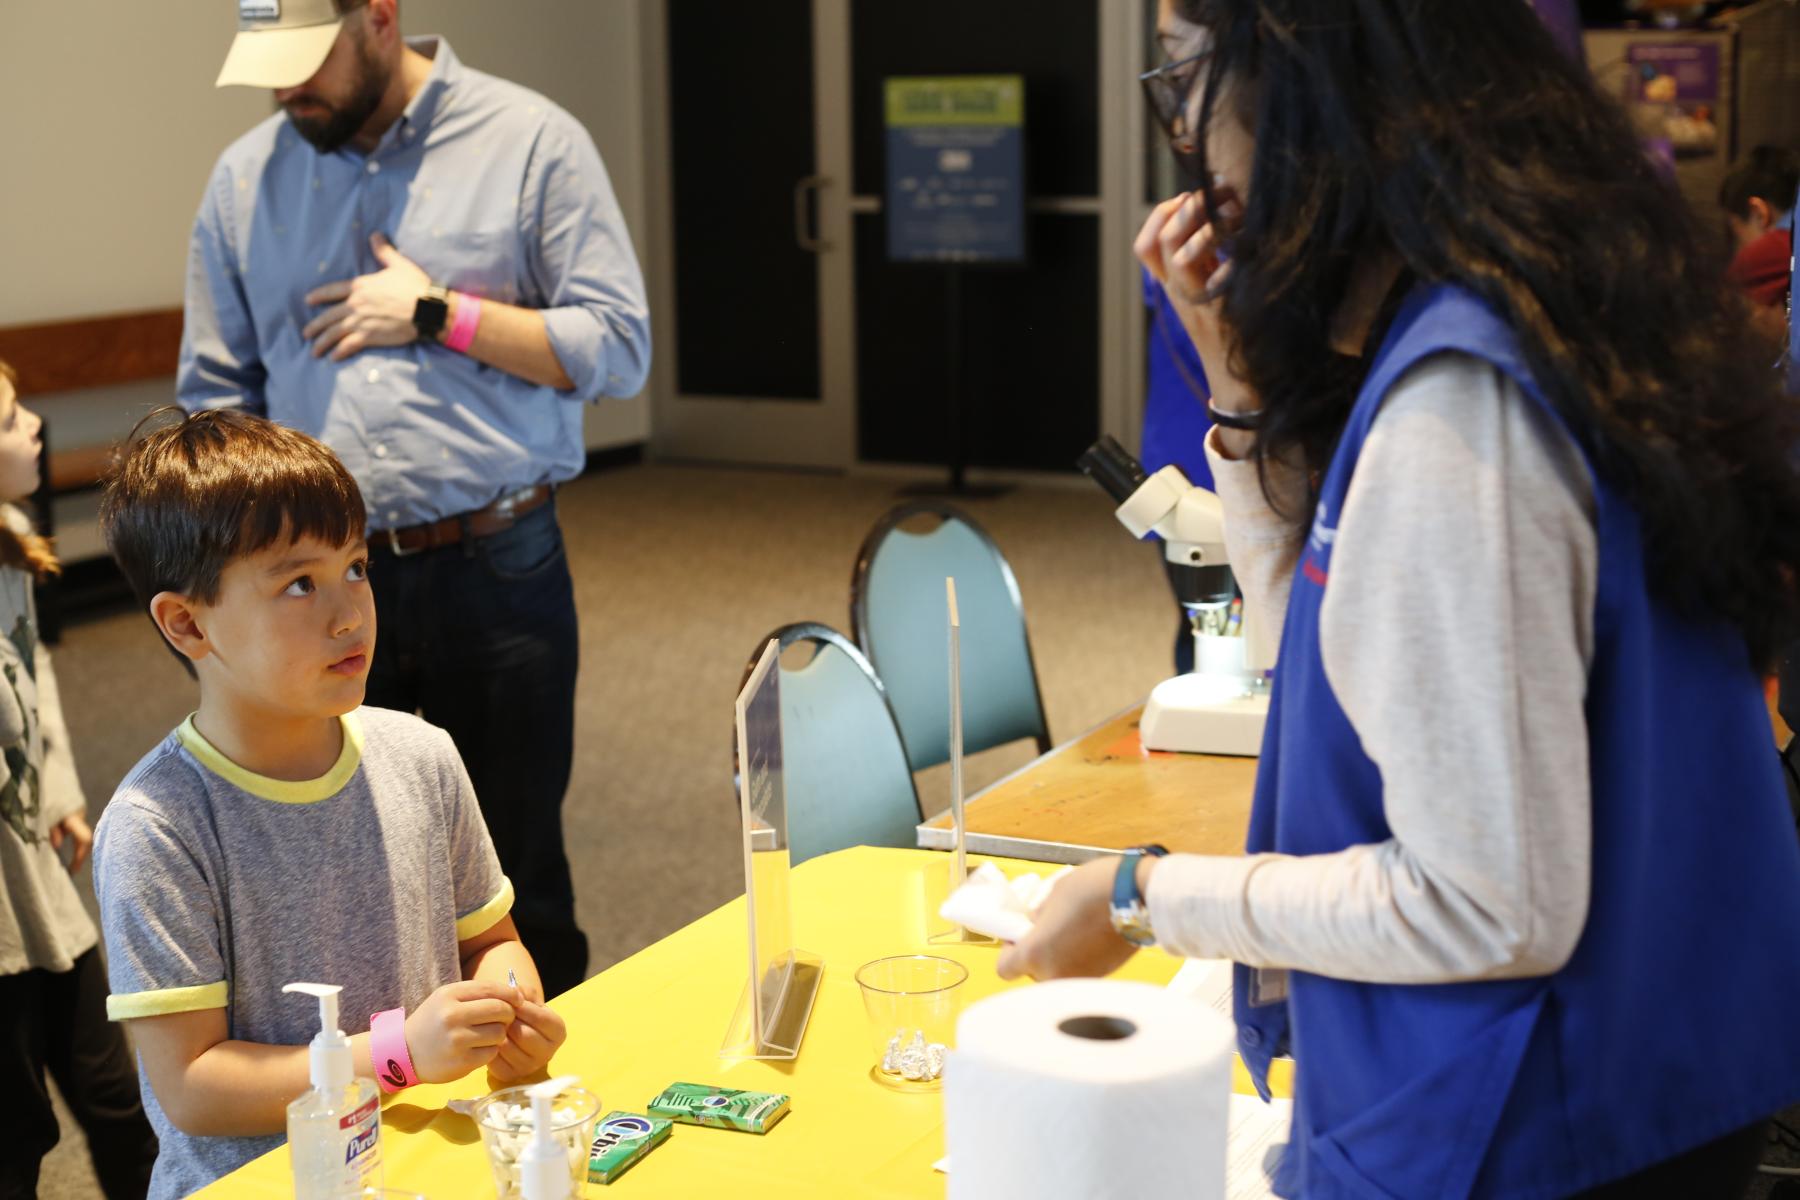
1522,897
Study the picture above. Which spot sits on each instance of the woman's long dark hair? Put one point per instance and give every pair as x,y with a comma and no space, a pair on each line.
1452,134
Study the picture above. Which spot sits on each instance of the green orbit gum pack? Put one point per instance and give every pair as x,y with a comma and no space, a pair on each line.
621,1139
722,1108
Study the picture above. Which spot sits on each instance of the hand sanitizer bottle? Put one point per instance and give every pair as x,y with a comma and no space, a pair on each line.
545,1172
334,1128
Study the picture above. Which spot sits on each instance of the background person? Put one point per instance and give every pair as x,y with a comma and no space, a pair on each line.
1175,427
52,978
316,294
1758,198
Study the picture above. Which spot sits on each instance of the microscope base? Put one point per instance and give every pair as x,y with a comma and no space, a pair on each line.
1202,714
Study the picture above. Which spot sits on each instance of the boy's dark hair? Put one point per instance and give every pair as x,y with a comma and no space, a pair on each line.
1768,173
190,497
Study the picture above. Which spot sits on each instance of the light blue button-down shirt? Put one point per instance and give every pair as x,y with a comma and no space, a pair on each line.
492,190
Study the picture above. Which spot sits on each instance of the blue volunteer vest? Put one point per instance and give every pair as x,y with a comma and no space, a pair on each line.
1676,1021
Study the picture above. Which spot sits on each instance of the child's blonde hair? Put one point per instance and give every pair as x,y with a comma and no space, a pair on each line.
27,551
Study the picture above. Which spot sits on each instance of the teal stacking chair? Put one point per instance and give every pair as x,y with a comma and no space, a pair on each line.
899,619
847,779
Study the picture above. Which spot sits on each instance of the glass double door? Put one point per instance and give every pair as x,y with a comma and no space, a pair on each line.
785,336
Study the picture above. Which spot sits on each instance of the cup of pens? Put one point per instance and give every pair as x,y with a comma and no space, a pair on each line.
1218,640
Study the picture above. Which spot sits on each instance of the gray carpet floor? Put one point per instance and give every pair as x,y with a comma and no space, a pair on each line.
679,574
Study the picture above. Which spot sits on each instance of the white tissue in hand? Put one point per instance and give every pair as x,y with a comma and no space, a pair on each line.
989,903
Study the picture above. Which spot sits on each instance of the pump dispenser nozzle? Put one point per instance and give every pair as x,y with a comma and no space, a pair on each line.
329,1053
544,1170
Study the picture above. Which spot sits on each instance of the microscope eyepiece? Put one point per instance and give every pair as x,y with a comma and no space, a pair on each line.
1112,467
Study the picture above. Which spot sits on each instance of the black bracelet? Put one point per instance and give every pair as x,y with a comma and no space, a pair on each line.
1248,422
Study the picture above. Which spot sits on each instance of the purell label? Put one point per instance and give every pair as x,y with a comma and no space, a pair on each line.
362,1151
352,1120
259,10
361,1144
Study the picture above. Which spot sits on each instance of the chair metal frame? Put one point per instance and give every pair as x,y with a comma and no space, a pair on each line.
817,634
885,525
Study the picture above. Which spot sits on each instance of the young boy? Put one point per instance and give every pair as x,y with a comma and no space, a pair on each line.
283,833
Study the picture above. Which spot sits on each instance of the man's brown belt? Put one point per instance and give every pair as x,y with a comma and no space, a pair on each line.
497,517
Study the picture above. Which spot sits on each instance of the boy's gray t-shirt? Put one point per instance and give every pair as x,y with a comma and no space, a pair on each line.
218,886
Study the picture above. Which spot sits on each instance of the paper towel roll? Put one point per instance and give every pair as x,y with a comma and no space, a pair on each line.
1088,1088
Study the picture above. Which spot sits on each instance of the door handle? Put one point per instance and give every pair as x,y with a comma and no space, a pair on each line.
805,215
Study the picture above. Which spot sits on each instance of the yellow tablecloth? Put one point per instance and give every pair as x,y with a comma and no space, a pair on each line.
660,1016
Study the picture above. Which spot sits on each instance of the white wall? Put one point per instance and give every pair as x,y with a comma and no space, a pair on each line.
109,126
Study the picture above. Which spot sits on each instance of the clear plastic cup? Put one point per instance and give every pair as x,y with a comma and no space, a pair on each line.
912,1001
507,1128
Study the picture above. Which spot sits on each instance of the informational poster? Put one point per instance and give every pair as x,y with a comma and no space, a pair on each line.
1679,83
956,169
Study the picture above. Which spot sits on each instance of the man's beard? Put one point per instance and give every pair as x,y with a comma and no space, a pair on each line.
330,133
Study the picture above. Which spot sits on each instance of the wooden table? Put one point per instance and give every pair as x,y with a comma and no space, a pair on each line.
1104,792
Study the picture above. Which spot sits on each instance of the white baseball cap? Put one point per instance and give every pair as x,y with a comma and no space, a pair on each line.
281,43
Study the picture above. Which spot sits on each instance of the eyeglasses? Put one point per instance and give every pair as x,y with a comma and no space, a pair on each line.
1170,91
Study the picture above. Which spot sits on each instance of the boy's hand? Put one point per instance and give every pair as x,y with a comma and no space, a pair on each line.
460,1027
75,830
530,1041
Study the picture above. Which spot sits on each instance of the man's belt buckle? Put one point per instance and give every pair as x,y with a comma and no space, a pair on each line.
393,536
504,507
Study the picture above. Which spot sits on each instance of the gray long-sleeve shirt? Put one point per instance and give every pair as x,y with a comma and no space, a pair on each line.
1456,634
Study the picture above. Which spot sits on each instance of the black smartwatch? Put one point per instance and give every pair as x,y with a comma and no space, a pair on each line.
431,313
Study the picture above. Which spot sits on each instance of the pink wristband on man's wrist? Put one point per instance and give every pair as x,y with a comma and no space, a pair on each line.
387,1046
462,326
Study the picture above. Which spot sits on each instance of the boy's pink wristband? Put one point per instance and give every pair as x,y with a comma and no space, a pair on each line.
387,1046
463,325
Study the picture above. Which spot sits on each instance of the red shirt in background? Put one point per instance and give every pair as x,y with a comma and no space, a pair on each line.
1763,269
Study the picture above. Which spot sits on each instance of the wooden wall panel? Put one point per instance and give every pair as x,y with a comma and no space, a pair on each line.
61,356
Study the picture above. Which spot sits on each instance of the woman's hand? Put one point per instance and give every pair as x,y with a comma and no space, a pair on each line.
1072,934
1180,248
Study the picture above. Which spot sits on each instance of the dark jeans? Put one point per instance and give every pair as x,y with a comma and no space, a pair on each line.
481,639
57,1023
1720,1170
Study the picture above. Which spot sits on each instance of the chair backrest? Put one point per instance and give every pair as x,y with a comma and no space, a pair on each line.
845,770
899,619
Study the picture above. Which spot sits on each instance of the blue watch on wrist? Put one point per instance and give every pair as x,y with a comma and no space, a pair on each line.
1130,915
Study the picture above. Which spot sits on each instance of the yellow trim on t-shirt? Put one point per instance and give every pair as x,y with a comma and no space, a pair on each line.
163,1001
282,791
488,915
